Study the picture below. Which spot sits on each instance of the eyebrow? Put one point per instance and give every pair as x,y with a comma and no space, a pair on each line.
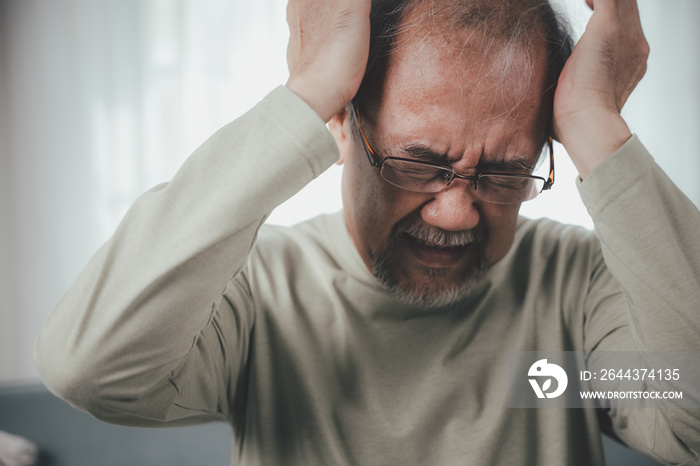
423,153
519,165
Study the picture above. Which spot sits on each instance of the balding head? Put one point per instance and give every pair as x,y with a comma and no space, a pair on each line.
507,33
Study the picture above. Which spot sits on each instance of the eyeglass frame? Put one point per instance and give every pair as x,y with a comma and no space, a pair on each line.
371,155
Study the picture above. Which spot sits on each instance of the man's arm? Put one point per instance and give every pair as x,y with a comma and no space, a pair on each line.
649,231
145,334
650,237
149,306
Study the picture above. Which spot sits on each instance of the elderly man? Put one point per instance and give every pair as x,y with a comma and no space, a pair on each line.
380,335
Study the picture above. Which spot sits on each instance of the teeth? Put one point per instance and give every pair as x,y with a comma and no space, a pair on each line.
435,246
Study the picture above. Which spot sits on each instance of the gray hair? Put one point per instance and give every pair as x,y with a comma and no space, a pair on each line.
504,27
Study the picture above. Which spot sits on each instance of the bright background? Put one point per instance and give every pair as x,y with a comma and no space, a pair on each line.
102,99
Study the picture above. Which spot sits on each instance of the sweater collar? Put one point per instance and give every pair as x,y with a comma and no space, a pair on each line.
350,260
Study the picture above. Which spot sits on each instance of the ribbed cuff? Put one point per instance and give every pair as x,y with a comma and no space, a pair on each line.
615,175
302,126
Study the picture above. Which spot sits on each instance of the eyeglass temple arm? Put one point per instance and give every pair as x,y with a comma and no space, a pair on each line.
365,143
550,181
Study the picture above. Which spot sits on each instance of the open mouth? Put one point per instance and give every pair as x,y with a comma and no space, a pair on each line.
435,246
437,255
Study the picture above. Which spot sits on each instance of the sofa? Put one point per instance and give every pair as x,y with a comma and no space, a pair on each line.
68,437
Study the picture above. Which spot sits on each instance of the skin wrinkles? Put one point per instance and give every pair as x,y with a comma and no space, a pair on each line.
430,249
519,165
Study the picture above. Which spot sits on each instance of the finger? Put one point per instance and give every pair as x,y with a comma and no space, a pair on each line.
630,10
626,9
607,7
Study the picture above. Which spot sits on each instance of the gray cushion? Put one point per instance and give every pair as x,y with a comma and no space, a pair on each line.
68,437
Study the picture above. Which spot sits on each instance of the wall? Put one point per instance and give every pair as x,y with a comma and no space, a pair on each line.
11,319
82,108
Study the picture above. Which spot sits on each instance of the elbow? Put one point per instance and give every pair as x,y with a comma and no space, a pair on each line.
97,386
63,375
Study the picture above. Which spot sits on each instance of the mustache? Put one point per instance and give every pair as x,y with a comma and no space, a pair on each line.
437,236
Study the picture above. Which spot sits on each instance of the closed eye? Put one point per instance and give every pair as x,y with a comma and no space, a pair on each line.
519,166
423,154
505,182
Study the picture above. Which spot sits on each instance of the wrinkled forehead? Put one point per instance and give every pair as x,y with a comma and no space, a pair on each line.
463,93
476,78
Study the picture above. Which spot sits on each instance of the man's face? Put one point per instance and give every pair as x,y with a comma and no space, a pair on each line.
447,106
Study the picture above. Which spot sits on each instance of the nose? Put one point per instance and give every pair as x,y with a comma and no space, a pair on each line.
453,209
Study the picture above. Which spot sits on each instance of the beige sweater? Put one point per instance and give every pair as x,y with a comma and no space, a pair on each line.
192,312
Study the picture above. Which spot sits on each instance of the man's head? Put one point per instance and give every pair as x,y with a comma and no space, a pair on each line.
462,83
502,26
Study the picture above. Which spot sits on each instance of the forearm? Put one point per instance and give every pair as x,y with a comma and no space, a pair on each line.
590,139
650,234
140,306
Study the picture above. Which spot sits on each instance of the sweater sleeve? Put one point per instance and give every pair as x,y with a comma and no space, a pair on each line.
146,335
650,237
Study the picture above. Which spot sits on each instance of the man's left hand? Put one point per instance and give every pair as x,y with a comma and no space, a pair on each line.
606,65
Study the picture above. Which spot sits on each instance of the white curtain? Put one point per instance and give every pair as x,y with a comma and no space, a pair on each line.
102,99
664,110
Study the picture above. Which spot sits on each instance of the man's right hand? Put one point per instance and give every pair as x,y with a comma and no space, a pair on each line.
327,52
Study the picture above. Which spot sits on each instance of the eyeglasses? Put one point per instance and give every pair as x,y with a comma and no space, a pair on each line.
425,177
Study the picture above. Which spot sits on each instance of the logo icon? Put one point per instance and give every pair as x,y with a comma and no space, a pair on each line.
542,369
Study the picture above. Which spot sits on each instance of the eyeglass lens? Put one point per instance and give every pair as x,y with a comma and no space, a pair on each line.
418,177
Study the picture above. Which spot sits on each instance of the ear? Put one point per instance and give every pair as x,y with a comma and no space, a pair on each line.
341,129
